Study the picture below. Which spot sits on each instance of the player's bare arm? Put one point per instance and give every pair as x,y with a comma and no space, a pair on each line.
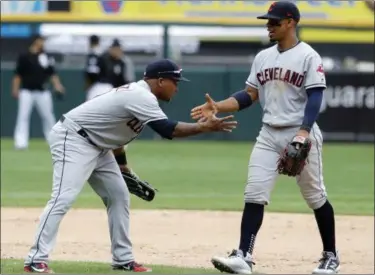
57,83
121,159
17,78
236,102
171,129
16,85
184,129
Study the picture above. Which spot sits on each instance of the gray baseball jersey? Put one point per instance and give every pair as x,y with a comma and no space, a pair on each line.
116,118
111,120
282,80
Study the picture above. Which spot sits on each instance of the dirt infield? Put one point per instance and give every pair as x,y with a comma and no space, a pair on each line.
287,243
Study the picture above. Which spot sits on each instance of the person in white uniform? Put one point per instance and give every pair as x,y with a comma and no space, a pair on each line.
33,70
288,80
81,145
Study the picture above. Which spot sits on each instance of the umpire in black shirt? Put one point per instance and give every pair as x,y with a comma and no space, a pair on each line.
96,73
33,70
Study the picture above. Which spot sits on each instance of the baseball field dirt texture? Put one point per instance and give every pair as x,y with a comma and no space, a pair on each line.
196,214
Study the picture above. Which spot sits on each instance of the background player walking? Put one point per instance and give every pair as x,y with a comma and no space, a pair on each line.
81,146
288,80
32,72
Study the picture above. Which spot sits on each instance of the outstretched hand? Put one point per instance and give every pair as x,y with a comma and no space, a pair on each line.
206,110
216,124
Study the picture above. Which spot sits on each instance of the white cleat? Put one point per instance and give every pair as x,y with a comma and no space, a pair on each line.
328,264
235,263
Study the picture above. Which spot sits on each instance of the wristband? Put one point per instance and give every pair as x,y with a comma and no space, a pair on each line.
121,159
305,128
243,98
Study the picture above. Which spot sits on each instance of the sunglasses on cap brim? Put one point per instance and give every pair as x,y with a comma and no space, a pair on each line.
276,22
175,75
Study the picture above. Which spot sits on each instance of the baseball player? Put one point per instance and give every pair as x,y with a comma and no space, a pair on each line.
96,72
81,145
32,72
288,81
120,66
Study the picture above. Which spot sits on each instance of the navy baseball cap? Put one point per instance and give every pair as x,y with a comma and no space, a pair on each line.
164,68
282,10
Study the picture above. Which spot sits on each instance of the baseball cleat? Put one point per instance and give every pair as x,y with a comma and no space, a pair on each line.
235,263
132,267
328,264
38,268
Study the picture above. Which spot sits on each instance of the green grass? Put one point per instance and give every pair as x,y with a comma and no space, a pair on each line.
196,175
16,267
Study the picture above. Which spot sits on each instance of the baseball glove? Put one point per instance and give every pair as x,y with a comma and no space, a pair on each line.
294,157
138,187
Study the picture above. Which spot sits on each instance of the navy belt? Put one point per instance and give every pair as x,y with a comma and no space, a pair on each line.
81,132
280,127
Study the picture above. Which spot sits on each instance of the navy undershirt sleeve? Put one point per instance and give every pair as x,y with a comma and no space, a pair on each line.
164,127
314,101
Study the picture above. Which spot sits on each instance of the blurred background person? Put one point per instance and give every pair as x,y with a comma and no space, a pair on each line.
33,70
96,72
120,66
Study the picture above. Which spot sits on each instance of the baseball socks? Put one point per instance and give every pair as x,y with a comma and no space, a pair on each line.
325,219
252,218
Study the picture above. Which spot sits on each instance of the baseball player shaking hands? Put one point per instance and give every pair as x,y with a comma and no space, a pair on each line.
81,145
288,81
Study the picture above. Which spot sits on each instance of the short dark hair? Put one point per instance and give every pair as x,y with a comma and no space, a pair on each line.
94,39
37,36
115,43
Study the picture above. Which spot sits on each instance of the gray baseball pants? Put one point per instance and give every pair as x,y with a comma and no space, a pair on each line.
262,173
76,161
